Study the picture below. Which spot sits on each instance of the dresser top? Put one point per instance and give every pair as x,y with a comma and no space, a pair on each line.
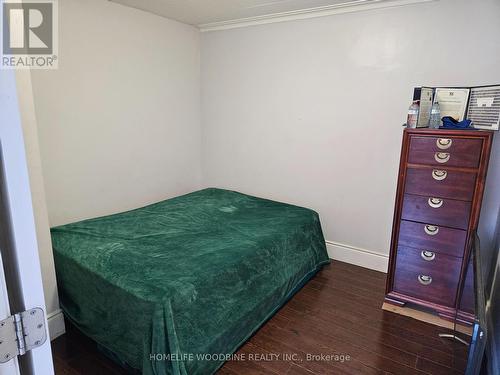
451,132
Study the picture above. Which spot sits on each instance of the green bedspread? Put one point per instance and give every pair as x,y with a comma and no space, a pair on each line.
169,287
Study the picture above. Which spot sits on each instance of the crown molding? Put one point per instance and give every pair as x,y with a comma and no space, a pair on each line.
300,14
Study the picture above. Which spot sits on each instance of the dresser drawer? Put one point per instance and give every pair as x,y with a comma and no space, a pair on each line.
437,211
443,183
433,280
441,240
452,152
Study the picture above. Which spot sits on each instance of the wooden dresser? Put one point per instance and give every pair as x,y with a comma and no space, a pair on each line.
440,189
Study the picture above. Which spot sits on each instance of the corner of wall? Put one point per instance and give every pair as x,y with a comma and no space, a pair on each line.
30,133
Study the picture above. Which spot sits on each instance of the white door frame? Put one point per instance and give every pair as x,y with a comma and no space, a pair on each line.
11,367
24,247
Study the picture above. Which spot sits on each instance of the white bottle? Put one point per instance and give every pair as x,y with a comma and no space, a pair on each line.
435,120
411,121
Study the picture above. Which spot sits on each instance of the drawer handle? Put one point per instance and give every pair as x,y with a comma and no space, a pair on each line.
439,174
431,230
442,157
443,143
428,256
435,202
424,279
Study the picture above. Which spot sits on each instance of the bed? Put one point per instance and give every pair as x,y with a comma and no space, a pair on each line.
168,288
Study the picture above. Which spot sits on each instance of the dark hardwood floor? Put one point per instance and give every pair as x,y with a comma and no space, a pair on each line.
338,313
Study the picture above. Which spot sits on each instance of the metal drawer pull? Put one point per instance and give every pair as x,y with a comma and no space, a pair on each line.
435,202
428,256
431,230
439,174
442,157
424,279
443,143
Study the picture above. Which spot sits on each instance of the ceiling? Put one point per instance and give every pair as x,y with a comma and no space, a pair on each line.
200,12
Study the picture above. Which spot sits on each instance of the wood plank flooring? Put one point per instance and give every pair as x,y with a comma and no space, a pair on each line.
337,314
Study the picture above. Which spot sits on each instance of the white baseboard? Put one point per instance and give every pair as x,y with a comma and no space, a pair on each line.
360,257
55,321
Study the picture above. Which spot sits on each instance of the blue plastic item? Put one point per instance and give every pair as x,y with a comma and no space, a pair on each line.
451,123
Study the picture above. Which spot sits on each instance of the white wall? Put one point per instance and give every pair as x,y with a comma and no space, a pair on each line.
307,112
32,149
119,120
310,111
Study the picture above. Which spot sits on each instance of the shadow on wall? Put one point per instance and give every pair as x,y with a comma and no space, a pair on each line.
493,267
494,311
489,222
489,235
491,260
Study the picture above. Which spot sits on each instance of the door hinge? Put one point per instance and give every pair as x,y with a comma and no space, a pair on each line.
21,332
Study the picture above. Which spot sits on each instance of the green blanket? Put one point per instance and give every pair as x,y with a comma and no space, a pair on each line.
170,287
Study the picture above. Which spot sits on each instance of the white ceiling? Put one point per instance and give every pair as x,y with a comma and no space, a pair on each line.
199,12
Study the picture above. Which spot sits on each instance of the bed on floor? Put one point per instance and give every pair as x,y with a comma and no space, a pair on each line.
169,287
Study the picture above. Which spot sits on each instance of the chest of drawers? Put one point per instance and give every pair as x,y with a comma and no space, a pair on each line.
440,188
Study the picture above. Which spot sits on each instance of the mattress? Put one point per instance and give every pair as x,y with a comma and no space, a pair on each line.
177,286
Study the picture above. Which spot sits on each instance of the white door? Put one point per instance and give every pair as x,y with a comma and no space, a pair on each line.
20,277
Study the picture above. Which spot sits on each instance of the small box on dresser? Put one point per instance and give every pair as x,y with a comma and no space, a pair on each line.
440,188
